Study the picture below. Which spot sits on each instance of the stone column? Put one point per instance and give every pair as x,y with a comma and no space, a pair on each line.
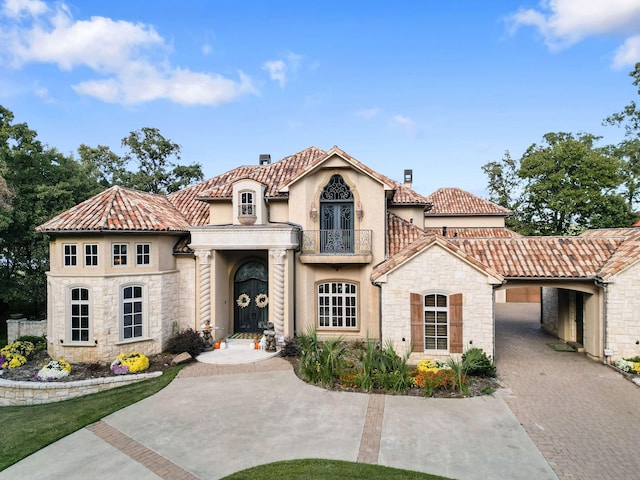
204,257
277,302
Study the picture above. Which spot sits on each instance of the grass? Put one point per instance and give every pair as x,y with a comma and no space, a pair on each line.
28,429
314,469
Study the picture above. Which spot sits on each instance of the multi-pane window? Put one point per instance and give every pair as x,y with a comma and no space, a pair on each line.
90,254
132,312
337,304
70,255
247,207
142,253
119,253
79,314
436,322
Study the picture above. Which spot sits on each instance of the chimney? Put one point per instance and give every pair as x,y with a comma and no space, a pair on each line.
408,178
265,159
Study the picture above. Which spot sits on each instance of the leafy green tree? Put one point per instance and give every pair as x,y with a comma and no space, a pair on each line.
44,183
562,186
104,166
629,116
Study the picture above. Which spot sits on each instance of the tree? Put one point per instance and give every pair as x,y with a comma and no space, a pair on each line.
44,183
152,156
563,186
629,117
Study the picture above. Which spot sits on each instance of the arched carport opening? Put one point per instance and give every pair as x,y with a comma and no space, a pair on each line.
570,310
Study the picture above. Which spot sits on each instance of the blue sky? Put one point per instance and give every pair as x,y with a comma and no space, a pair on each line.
438,87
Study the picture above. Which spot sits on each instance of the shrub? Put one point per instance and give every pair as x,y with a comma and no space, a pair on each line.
291,348
320,362
39,343
476,362
433,379
187,340
129,363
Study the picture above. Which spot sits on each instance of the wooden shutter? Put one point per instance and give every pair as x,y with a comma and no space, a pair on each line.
417,323
455,323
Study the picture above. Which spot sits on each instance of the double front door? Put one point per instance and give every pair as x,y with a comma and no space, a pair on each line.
251,301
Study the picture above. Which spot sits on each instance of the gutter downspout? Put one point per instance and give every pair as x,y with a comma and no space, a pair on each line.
603,332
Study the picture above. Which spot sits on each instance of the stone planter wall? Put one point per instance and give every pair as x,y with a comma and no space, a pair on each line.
34,393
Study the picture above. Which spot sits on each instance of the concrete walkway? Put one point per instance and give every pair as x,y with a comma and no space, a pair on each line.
214,420
582,415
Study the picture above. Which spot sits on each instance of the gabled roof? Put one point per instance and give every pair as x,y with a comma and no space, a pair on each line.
457,202
119,209
400,233
474,232
424,242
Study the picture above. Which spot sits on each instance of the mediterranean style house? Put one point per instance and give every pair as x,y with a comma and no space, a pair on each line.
318,240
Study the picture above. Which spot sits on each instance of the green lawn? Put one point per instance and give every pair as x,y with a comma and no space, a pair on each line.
28,429
314,469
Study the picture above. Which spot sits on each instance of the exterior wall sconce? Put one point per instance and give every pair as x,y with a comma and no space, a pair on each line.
359,210
313,212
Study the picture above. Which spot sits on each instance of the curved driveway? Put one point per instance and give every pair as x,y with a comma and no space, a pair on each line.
583,416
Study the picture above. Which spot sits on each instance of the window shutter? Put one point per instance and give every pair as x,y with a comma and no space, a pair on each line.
455,323
417,323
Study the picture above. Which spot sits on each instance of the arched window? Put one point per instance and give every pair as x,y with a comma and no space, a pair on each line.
79,317
336,217
247,206
132,320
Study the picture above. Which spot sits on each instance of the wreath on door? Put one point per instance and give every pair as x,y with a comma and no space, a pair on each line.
262,300
243,300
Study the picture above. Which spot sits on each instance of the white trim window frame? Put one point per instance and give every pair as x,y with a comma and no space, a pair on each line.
90,254
436,322
143,253
246,205
337,305
132,312
70,253
79,320
119,253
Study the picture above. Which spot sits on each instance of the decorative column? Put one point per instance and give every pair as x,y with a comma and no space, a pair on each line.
277,302
204,257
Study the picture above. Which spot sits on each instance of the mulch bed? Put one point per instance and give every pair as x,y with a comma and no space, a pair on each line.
79,371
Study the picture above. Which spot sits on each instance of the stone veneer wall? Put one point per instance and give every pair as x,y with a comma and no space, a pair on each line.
186,292
162,291
20,327
550,310
623,314
35,393
436,270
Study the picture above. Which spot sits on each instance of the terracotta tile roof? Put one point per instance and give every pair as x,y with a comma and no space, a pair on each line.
455,201
400,233
542,257
611,232
422,243
474,232
119,209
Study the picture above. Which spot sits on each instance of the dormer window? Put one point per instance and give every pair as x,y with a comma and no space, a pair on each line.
247,205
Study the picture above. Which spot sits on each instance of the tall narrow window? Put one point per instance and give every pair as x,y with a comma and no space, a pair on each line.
436,322
337,305
336,217
247,206
132,320
120,253
79,320
142,254
90,254
70,255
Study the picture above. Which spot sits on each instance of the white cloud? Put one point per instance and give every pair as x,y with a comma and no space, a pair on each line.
563,23
408,125
131,58
206,49
368,113
280,69
628,53
18,8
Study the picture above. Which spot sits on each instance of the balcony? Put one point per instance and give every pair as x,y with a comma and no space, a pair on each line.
336,246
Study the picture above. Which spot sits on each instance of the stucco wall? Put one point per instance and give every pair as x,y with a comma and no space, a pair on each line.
623,316
435,270
161,293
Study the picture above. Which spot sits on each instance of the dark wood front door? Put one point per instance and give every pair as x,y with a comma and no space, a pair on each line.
251,288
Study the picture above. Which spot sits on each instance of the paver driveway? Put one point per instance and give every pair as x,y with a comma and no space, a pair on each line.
583,416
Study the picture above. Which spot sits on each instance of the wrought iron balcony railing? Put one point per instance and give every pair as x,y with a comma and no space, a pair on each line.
336,242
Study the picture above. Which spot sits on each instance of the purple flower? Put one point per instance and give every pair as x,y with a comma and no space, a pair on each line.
119,369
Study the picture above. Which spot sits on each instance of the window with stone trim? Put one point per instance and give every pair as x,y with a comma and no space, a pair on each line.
143,253
247,206
337,305
436,322
90,254
132,321
119,251
79,316
70,254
